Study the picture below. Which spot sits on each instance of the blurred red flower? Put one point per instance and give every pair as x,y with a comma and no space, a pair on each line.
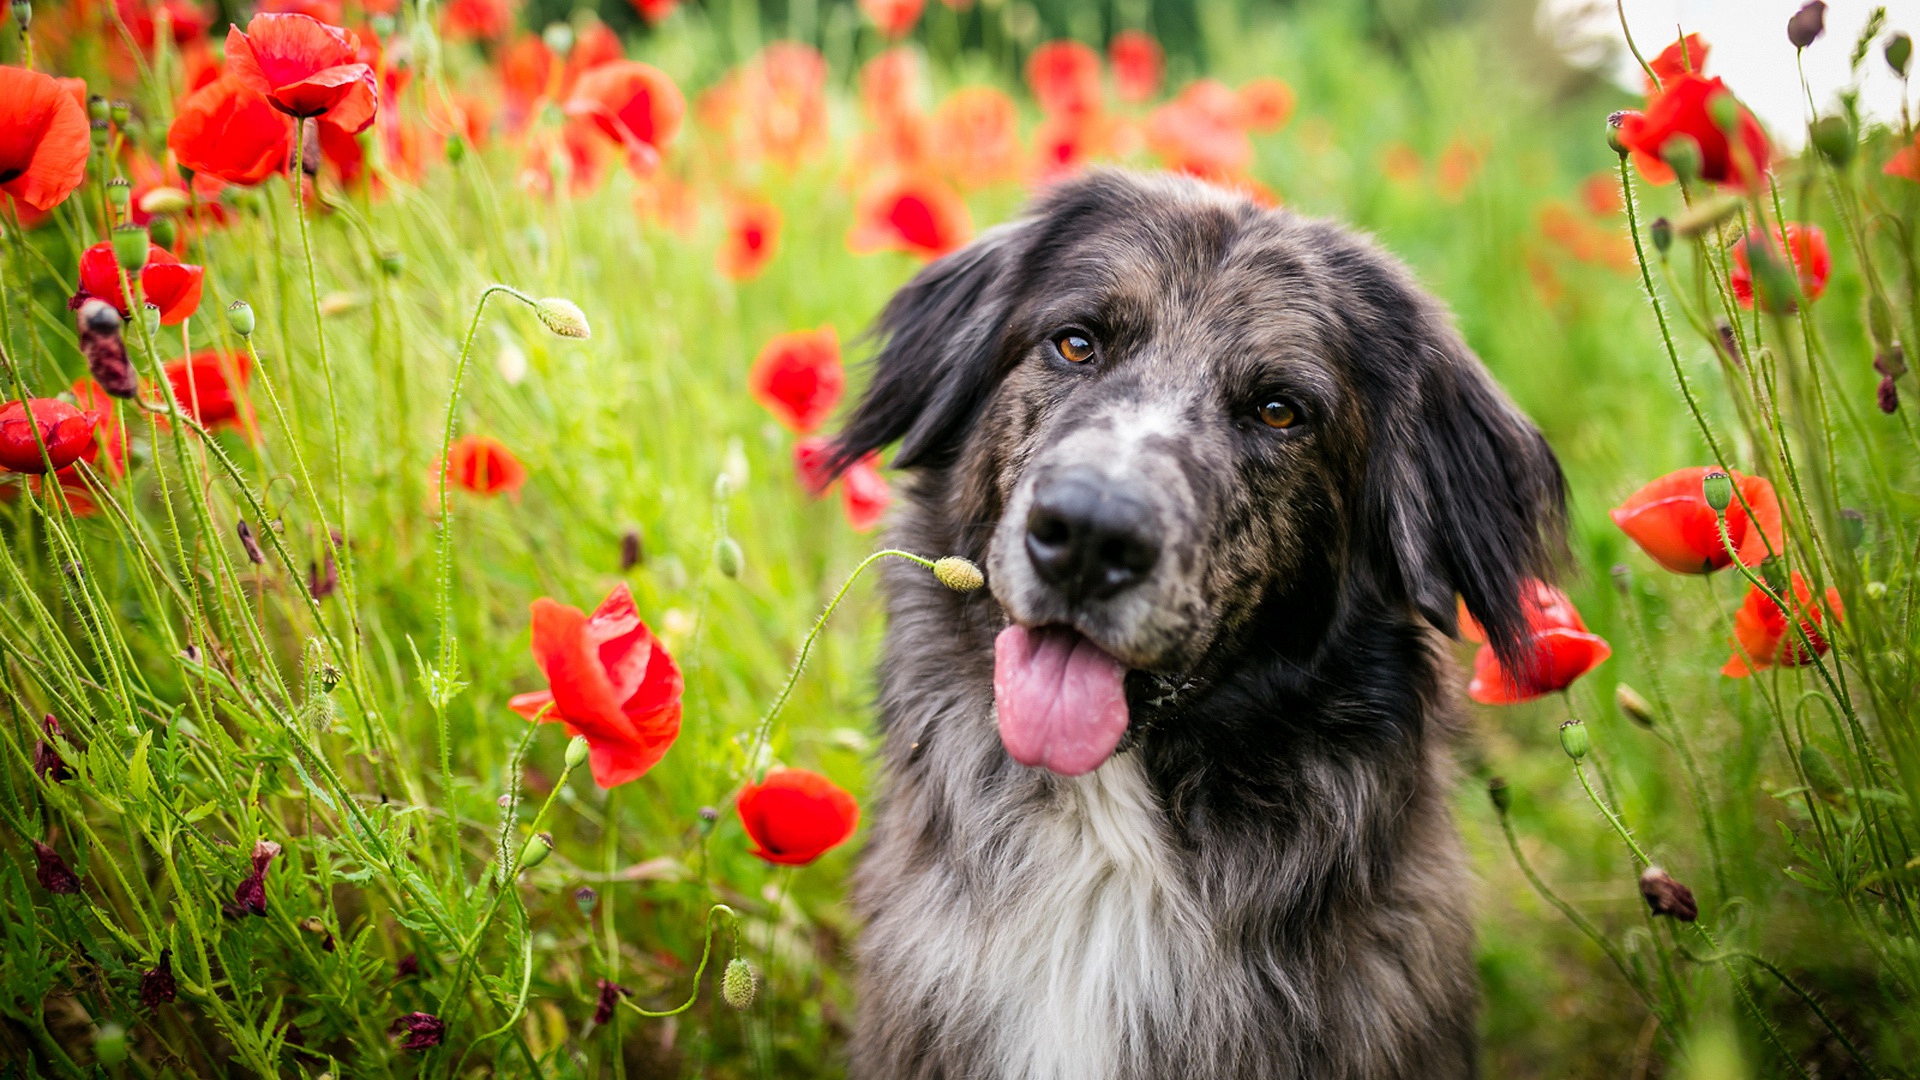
1683,108
609,679
484,466
202,387
810,458
326,11
1762,638
1600,193
186,21
227,131
894,18
890,85
1138,64
752,239
975,136
865,494
166,282
795,816
1687,54
305,68
655,11
776,105
1671,521
798,378
44,138
1065,78
1805,246
1906,162
67,432
478,20
919,215
1200,132
1559,650
594,46
634,104
1266,104
1064,144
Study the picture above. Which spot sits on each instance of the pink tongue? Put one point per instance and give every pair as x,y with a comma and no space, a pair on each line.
1062,702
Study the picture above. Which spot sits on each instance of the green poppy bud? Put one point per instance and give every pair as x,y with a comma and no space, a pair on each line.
1833,137
1682,154
737,985
1500,794
958,574
162,230
1632,705
150,314
23,14
97,108
577,752
130,243
240,317
1613,133
1717,488
119,194
1660,230
1774,287
1574,739
728,556
1724,110
563,317
100,132
585,899
110,1044
709,817
120,111
1876,590
1899,51
393,263
456,149
539,846
1822,776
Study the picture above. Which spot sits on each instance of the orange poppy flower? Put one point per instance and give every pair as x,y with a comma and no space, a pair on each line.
1805,246
66,431
975,137
798,377
1266,104
1601,194
484,466
634,104
1682,108
752,240
305,68
186,21
794,816
1064,144
477,20
227,131
1559,650
919,215
778,103
609,679
1763,639
1671,521
526,69
200,384
168,284
865,494
1138,64
890,85
894,18
44,139
1199,132
1906,162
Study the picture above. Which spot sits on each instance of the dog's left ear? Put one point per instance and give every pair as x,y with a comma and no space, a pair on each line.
1470,496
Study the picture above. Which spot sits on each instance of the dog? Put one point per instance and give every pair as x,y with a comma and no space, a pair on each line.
1168,798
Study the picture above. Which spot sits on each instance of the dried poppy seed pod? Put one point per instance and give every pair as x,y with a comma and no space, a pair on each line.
130,245
728,556
1834,138
737,985
1666,896
1661,232
539,846
1822,776
1717,488
1899,50
1500,795
1632,705
1574,739
1807,24
563,317
119,195
577,751
240,317
958,574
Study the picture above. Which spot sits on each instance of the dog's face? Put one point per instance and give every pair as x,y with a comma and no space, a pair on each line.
1179,413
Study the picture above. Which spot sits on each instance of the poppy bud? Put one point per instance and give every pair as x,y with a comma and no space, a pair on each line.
1682,154
1876,590
1833,137
130,245
247,541
150,315
610,994
240,317
456,149
1717,488
728,556
708,818
47,762
1500,794
157,985
1728,343
97,109
1613,132
563,317
1822,777
320,584
52,871
577,750
737,985
422,1031
110,1044
1705,215
1889,396
120,111
1774,287
1899,51
1724,110
958,574
632,553
1574,739
1807,24
1666,896
163,231
105,349
1891,362
539,846
1622,576
119,195
1661,230
23,13
165,200
1632,705
393,263
1853,528
585,898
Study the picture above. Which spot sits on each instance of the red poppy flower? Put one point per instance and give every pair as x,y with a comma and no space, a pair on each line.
1138,64
609,679
1806,248
1601,194
1559,650
1681,108
1906,163
1687,54
186,21
752,240
976,137
810,458
865,494
305,68
1549,607
890,85
225,130
166,282
798,377
484,466
635,104
1199,132
1671,521
526,70
1266,104
1762,638
67,431
327,11
478,20
893,17
1065,78
655,11
775,106
44,138
919,215
594,46
794,816
1064,144
200,384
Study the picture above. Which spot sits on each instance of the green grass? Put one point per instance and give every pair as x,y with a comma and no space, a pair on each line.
186,763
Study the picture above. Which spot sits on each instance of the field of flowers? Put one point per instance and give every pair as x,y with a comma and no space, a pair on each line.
383,375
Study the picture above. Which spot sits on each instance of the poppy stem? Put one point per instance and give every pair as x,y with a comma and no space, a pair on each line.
706,953
1620,7
1613,819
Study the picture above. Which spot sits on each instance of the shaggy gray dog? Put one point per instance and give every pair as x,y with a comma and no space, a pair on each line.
1169,798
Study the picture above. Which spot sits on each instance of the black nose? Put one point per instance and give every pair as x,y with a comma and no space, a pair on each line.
1088,538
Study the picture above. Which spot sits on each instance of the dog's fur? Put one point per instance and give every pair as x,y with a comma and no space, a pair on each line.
1264,882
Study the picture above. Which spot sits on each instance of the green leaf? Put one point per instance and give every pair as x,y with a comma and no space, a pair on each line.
139,775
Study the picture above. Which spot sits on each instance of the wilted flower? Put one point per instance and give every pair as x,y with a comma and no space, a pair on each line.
794,816
610,994
407,967
418,1031
1807,24
157,985
52,871
1665,896
248,543
251,896
323,577
632,550
47,762
105,349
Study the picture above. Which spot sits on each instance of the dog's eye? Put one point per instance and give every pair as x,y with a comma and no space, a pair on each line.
1073,346
1279,414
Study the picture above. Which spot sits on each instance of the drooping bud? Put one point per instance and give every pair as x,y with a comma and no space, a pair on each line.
130,245
1614,120
737,984
47,762
1822,776
1574,739
157,985
163,232
563,317
728,557
251,896
1833,137
577,752
1682,154
539,846
105,349
1632,705
1500,795
119,195
585,898
1729,344
958,574
610,994
1717,488
418,1031
240,317
247,542
52,871
1807,24
1899,50
1888,397
1665,896
632,551
1660,231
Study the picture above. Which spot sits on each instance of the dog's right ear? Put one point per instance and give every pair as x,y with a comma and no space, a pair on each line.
944,353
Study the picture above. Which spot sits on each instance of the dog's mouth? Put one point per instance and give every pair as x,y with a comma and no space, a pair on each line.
1061,700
